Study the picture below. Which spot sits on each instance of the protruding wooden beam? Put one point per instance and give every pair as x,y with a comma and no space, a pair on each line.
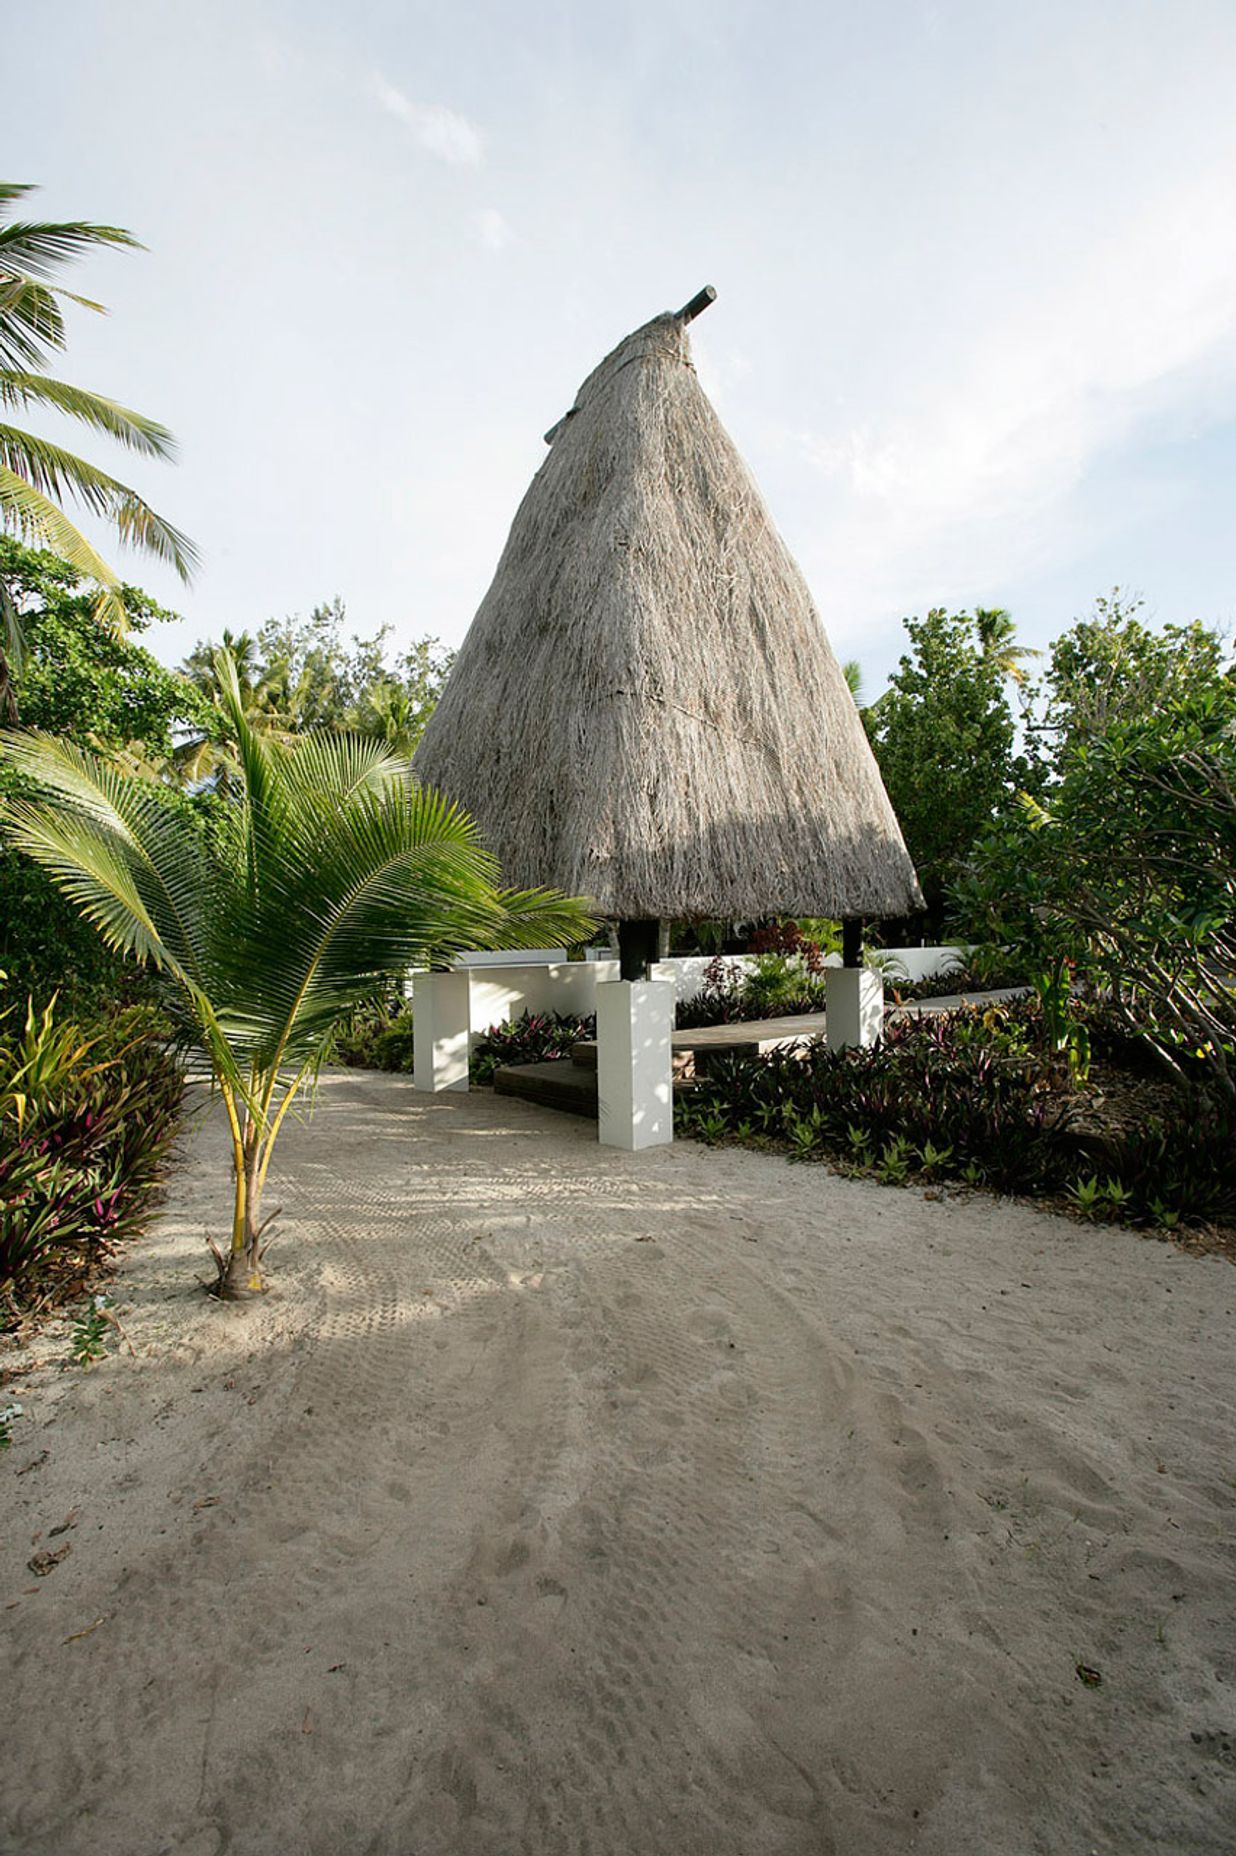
698,304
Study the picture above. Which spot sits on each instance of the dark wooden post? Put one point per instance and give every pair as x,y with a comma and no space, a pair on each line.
639,944
852,943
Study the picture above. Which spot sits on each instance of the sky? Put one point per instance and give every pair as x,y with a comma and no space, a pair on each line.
975,331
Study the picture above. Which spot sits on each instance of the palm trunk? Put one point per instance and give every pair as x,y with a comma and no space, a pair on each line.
242,1274
8,693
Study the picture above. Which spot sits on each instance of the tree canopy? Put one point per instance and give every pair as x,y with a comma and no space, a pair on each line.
299,674
943,734
1120,865
106,693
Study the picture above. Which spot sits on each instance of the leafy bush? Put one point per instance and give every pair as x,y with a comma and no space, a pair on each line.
972,1095
1120,862
786,979
925,1085
719,1000
537,1037
377,1038
1173,1167
86,1117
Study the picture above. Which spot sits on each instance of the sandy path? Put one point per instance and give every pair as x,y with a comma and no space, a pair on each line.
570,1503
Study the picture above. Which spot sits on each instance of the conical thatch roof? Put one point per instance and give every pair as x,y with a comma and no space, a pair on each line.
646,710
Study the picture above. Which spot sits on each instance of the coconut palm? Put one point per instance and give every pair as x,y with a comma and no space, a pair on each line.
203,757
333,872
38,476
996,629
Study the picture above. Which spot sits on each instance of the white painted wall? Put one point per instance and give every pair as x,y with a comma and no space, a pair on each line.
500,990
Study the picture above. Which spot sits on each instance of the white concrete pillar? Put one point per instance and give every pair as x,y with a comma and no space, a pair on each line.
440,1031
853,1006
635,1086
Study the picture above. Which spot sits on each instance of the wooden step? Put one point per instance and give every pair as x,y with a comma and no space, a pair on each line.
558,1084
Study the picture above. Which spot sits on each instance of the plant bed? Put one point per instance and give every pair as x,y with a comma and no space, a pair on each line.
535,1037
87,1115
969,1097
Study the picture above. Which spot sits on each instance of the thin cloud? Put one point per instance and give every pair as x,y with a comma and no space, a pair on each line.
443,133
493,230
975,479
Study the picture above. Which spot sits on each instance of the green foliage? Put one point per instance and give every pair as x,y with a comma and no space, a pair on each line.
377,1037
329,874
784,978
86,1117
985,969
8,1412
966,1096
943,735
300,674
88,1340
535,1037
85,681
1123,868
37,477
103,692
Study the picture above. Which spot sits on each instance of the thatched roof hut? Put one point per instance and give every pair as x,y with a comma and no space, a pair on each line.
646,710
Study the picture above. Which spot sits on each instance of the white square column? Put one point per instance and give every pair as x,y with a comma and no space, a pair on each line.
853,1007
635,1083
440,1026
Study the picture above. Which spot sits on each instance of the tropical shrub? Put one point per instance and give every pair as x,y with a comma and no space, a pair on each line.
329,874
976,1096
377,1037
87,1113
983,970
1121,871
784,977
535,1037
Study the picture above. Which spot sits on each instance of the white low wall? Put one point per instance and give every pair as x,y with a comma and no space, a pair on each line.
498,993
919,963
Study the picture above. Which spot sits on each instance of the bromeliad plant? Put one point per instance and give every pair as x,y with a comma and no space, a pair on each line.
332,871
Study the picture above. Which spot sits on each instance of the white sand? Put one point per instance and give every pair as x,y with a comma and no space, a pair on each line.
688,1504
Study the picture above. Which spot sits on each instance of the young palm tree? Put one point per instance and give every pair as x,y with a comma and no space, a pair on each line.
334,872
37,477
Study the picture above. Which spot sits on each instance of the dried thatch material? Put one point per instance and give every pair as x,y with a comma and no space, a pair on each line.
646,710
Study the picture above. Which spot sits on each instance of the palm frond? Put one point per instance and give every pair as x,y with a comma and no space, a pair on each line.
126,838
36,518
339,765
264,799
31,321
129,428
42,247
12,638
54,473
401,878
